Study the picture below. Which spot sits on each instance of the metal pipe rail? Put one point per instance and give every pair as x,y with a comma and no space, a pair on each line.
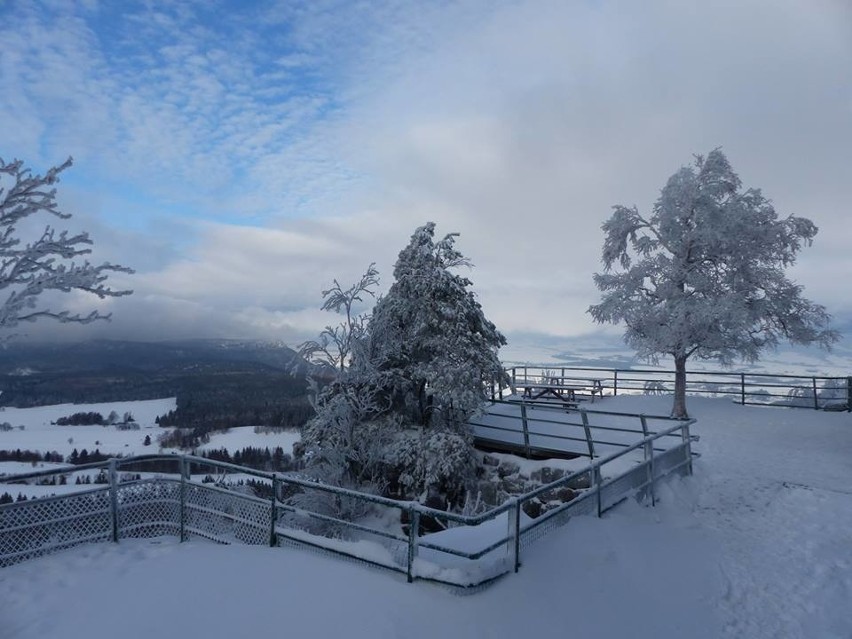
809,391
179,506
548,429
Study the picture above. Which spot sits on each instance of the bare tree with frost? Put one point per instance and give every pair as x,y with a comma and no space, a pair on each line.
703,276
333,350
45,262
343,444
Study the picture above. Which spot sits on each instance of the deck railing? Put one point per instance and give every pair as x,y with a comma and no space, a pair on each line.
764,389
231,504
549,429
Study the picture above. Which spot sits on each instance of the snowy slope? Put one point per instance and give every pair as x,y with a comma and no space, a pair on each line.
756,544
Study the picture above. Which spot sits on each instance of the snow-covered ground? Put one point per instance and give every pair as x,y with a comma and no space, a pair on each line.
41,435
755,544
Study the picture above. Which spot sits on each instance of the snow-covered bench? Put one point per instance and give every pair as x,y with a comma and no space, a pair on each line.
565,394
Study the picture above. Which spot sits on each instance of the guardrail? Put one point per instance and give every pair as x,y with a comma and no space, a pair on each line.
538,428
233,504
762,389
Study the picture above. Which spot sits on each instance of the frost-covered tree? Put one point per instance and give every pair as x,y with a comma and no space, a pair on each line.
704,275
429,339
343,444
31,266
333,350
394,420
432,353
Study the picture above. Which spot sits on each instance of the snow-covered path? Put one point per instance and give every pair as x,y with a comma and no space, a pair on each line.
756,544
775,488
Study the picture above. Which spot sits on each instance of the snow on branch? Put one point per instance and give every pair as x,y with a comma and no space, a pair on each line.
334,348
704,275
30,269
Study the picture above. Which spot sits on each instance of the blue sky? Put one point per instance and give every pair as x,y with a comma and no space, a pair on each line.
241,155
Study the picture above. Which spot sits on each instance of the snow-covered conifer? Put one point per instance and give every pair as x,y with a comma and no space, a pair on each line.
430,341
394,420
703,276
32,267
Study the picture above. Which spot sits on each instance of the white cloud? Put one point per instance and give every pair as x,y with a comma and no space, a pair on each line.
336,128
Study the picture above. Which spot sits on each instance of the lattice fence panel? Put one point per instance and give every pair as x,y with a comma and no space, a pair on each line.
41,526
149,508
624,486
539,529
226,516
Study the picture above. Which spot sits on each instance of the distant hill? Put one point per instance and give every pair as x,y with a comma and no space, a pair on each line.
218,383
111,356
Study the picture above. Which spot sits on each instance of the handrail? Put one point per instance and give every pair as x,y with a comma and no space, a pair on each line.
593,411
558,366
811,391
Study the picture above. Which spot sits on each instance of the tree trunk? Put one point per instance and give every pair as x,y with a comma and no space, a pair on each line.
679,407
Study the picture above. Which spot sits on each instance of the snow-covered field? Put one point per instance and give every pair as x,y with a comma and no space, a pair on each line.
41,435
756,544
238,438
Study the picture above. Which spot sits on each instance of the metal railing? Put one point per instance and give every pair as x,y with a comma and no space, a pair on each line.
537,428
762,389
226,503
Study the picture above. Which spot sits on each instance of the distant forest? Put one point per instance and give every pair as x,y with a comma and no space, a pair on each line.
218,383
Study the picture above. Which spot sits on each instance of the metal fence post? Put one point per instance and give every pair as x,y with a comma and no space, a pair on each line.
649,459
113,497
615,382
687,447
515,533
588,431
525,427
652,480
413,525
183,472
816,398
596,473
849,394
742,389
273,512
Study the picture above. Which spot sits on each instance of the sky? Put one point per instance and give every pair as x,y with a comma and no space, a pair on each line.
240,156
